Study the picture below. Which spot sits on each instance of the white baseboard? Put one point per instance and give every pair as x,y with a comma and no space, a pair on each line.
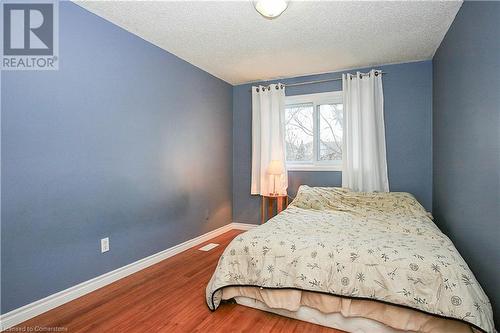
36,308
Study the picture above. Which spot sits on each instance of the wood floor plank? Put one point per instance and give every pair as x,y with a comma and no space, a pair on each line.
166,297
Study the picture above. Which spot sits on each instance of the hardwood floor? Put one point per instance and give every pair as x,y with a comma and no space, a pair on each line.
166,297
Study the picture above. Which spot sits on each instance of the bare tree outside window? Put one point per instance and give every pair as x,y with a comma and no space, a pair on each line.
330,132
299,132
314,131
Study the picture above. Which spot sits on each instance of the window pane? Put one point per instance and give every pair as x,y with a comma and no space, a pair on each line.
330,132
299,132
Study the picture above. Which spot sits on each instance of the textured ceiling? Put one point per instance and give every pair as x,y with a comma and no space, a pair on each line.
233,42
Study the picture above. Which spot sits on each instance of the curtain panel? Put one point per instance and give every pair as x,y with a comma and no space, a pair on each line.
268,139
364,148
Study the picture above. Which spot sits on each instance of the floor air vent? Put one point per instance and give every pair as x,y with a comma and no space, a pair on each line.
208,247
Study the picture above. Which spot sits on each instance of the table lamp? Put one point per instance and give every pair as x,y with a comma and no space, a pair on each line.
275,168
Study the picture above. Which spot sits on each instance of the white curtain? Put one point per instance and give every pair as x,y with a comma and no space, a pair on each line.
364,153
268,138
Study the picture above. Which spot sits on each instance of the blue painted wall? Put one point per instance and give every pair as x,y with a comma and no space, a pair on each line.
125,140
466,140
408,114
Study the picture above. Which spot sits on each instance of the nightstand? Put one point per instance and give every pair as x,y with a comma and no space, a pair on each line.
269,201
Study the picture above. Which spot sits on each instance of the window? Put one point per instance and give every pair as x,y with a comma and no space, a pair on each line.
313,131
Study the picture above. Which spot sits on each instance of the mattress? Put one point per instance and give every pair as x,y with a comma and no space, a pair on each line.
346,314
333,320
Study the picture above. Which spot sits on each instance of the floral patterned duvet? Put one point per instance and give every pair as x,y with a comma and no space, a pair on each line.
379,246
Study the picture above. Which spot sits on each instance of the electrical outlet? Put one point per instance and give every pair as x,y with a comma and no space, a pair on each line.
105,245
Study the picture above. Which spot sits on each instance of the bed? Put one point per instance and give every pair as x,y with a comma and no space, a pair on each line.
360,262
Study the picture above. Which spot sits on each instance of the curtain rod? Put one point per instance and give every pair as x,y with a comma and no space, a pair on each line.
325,80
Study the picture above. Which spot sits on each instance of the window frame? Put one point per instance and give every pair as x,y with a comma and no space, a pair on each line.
331,97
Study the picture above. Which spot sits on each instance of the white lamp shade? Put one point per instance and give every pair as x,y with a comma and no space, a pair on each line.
275,167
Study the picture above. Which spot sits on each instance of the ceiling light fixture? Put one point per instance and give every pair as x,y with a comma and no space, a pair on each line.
270,8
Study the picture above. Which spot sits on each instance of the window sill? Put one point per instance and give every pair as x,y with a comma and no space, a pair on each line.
314,168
